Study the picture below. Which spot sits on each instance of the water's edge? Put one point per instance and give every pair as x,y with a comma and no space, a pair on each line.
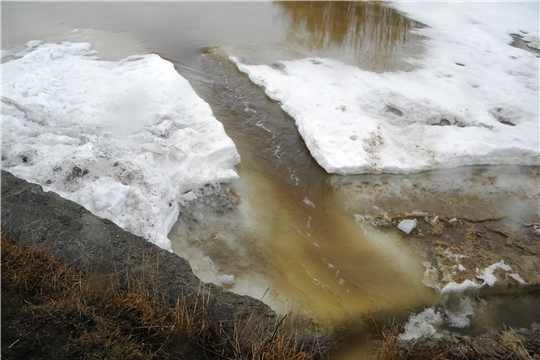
71,233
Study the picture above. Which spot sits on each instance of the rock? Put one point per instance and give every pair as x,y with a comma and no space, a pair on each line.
407,225
73,234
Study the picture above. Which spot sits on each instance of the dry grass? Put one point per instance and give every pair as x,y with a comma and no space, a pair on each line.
389,347
53,311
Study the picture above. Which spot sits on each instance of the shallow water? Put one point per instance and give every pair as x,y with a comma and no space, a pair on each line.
365,34
312,254
292,236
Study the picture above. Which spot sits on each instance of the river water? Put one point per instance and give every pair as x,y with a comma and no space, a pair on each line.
291,236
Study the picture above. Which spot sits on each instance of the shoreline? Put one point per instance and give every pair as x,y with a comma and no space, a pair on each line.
102,247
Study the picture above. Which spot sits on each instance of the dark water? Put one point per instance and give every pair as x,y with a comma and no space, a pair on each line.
366,34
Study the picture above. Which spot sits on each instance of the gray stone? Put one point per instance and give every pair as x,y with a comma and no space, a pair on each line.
70,232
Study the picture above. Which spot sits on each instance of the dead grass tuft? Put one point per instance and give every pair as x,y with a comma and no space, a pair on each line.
504,345
54,311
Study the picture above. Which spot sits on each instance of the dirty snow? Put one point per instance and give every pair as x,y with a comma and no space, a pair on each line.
124,139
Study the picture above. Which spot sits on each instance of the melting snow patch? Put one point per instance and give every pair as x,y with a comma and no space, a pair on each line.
424,324
124,139
487,274
518,278
484,111
227,279
453,287
459,302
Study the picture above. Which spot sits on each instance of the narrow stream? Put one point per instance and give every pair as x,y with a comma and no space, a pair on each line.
312,255
307,254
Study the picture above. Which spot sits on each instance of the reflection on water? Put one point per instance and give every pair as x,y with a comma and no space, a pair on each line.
373,36
366,34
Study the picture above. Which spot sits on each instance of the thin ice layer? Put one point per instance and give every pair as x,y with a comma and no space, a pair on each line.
473,98
124,139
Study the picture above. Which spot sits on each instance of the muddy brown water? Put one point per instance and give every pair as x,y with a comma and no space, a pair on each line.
292,237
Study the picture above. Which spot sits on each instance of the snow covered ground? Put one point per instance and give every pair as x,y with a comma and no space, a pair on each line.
472,98
128,139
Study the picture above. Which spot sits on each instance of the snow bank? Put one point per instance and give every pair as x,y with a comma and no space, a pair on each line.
124,139
473,98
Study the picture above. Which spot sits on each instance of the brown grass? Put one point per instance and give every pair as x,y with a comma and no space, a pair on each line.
389,347
54,311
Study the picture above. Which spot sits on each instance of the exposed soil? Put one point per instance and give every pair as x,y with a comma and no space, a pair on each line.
467,219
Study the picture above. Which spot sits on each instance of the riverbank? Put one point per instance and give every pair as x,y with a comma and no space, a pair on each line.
49,235
72,250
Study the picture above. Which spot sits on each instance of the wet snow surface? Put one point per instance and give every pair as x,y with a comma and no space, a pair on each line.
472,99
124,139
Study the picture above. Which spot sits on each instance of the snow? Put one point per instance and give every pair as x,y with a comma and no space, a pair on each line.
471,100
424,324
124,139
518,278
227,279
407,225
487,274
458,305
453,287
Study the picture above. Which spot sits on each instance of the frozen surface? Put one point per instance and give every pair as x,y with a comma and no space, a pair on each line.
472,99
407,225
124,139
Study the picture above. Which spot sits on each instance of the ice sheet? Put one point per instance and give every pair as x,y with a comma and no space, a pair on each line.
472,99
124,139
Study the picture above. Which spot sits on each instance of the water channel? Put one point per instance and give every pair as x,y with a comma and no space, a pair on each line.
291,237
